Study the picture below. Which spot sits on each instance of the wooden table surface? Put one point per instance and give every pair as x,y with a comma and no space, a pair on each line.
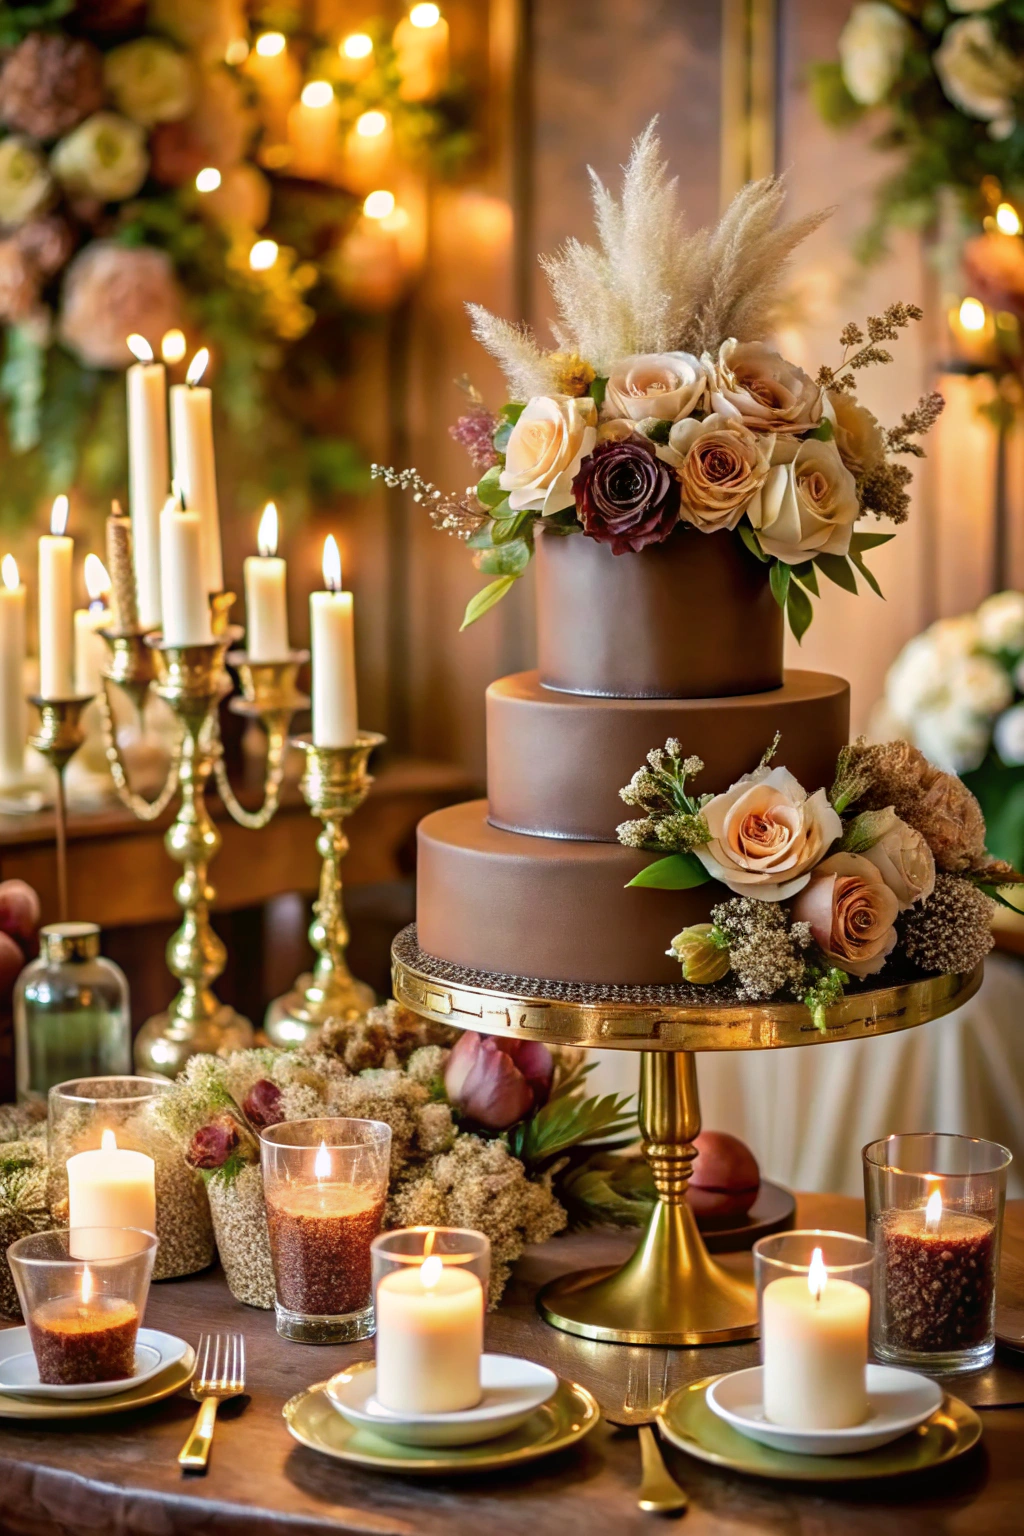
119,1474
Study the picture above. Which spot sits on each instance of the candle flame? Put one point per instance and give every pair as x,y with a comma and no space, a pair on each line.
377,205
173,346
88,1285
197,367
317,93
266,535
108,1141
97,582
140,348
358,45
270,44
817,1275
972,315
332,564
371,124
430,1272
9,569
933,1211
59,515
425,15
322,1162
1007,219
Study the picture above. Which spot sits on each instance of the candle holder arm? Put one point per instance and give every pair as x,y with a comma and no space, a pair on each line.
140,807
277,743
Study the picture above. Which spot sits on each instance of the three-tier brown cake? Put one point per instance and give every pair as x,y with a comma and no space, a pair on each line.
683,639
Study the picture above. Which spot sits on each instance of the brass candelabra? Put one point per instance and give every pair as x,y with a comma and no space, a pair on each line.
58,738
335,783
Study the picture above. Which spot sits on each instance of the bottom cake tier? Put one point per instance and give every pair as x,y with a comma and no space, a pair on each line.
509,902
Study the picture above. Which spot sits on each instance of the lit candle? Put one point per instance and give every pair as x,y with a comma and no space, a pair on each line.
148,474
274,70
109,1186
430,1335
421,53
368,147
815,1333
266,602
937,1273
335,711
90,647
56,630
84,1338
12,674
313,131
195,472
355,55
185,601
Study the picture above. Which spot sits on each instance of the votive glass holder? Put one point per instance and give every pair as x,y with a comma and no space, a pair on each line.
325,1183
83,1315
430,1293
935,1212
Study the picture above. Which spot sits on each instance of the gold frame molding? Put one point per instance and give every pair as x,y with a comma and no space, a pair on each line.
749,93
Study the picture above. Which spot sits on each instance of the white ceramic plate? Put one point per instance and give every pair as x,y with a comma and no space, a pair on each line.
513,1389
898,1401
19,1377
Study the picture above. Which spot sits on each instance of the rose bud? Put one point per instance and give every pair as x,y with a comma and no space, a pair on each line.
497,1082
213,1144
725,1178
262,1104
703,960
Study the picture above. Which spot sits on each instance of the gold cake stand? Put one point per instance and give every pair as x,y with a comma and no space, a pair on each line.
671,1291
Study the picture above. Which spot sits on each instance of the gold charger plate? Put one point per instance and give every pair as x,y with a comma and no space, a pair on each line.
688,1422
561,1421
168,1382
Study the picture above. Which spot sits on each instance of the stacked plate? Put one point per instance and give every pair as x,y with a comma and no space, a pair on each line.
163,1364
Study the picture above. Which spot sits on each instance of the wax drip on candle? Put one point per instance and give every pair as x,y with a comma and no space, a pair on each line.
9,571
197,367
322,1162
266,535
933,1212
332,564
139,347
59,515
88,1285
430,1272
817,1275
97,583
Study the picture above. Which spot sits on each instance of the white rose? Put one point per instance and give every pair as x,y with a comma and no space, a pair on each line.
807,506
980,685
767,834
720,467
858,435
104,157
871,49
904,860
665,385
977,73
953,738
547,445
965,6
149,81
917,678
26,185
752,383
1009,736
1001,622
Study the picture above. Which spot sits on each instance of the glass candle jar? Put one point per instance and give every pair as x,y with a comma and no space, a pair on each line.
935,1211
325,1183
83,1315
814,1301
71,1012
430,1293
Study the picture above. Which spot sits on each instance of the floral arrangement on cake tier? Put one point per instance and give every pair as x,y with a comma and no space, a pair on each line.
663,406
887,869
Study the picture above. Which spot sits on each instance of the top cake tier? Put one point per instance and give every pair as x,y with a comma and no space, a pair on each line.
692,618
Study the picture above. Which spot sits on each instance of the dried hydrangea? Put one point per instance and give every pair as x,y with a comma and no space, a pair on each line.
386,1037
936,804
952,930
766,951
475,433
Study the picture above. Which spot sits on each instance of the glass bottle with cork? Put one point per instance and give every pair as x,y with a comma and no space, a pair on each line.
71,1012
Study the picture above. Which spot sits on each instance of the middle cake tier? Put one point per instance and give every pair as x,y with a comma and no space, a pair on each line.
556,761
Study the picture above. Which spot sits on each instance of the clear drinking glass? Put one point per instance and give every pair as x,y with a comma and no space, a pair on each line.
788,1254
83,1315
325,1183
935,1213
71,1012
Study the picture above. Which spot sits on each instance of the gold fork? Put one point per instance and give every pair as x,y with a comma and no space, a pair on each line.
659,1492
219,1374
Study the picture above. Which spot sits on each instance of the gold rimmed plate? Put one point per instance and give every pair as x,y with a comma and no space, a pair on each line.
560,1422
688,1422
165,1385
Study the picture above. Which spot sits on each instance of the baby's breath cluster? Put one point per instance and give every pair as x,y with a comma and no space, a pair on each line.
766,949
673,820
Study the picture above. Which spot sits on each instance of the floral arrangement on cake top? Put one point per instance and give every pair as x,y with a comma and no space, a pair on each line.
662,405
888,868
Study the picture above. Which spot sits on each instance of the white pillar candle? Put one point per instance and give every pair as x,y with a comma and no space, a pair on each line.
430,1335
90,647
815,1333
109,1186
148,473
421,53
331,620
56,630
194,466
184,598
266,599
13,732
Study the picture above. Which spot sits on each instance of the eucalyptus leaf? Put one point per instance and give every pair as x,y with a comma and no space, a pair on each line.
505,528
508,559
485,600
837,569
501,435
779,579
678,872
488,489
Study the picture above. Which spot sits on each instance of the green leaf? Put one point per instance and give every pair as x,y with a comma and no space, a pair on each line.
658,431
508,559
807,576
501,435
678,872
485,599
799,611
858,560
823,431
995,893
837,569
512,411
779,578
483,538
749,538
566,1121
597,390
488,489
860,541
510,527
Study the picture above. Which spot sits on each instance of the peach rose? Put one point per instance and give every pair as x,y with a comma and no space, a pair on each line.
859,438
903,859
666,385
755,385
720,466
851,912
808,504
548,443
767,834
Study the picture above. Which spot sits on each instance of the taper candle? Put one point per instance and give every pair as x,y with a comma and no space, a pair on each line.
148,474
266,602
335,709
194,465
420,41
13,731
185,601
124,607
90,647
56,627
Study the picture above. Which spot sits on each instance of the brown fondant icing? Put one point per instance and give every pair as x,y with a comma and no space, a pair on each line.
691,618
556,761
536,906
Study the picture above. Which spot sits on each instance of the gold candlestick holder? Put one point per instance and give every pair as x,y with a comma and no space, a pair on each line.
58,738
334,784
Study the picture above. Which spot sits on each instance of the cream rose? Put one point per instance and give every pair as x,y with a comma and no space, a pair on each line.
767,834
871,49
751,383
149,81
808,505
976,72
720,466
858,436
903,859
104,157
665,385
26,186
851,912
548,443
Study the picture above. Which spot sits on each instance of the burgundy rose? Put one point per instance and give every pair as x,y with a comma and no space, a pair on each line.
213,1144
626,496
497,1082
19,919
262,1104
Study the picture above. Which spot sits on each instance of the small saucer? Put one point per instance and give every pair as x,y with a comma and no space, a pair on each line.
513,1389
898,1401
19,1375
170,1380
